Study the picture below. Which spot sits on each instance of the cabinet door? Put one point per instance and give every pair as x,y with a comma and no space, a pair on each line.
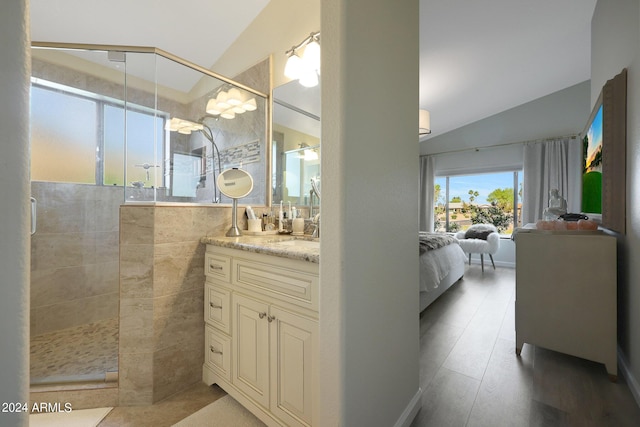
251,355
293,367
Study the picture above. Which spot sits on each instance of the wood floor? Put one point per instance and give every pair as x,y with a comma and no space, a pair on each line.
471,376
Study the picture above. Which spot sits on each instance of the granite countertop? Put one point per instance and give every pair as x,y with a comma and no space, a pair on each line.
275,245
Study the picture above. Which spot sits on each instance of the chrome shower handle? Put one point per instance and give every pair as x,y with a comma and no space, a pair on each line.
34,211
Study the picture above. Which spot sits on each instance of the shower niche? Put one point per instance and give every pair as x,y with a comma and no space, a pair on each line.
114,127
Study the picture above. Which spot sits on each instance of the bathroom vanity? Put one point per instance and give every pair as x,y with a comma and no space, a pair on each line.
261,325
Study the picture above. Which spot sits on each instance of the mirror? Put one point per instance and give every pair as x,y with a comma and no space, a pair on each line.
296,145
235,183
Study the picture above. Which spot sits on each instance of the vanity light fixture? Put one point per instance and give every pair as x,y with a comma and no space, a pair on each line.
305,68
310,155
424,123
228,103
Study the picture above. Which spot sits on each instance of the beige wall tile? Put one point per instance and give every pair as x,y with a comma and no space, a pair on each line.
173,224
175,369
178,320
62,250
136,271
76,312
136,325
135,379
136,224
176,267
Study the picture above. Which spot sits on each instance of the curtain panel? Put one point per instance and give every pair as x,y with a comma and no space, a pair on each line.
549,164
427,182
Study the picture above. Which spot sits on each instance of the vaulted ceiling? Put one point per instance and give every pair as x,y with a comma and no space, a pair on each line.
476,58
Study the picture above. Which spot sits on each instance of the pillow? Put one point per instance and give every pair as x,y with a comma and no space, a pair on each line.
477,234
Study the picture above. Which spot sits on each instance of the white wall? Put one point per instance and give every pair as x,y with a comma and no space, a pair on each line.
615,37
14,214
369,331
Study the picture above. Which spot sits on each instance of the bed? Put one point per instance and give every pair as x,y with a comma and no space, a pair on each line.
442,263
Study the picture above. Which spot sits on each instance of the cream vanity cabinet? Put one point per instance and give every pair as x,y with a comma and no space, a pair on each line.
261,315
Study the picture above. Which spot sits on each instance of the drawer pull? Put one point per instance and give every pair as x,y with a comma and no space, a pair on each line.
212,305
215,267
271,318
214,351
262,315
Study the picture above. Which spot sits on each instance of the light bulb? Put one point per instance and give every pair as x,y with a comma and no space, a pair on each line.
234,97
228,115
221,100
309,79
310,155
293,67
250,105
312,55
212,108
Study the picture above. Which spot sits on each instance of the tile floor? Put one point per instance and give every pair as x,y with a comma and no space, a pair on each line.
82,352
167,412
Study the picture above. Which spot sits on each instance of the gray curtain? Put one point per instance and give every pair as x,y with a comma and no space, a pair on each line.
427,181
549,164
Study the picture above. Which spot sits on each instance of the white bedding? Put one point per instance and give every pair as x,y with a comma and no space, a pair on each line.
436,265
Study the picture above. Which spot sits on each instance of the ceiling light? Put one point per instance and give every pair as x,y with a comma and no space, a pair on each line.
424,123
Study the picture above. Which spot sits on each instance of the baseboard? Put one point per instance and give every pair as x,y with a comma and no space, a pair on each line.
410,411
628,376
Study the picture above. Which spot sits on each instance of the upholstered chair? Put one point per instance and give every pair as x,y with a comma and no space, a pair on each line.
480,239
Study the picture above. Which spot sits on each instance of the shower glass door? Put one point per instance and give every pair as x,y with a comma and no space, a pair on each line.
74,250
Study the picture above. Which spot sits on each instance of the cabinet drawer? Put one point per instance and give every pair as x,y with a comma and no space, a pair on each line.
217,307
217,266
217,352
287,284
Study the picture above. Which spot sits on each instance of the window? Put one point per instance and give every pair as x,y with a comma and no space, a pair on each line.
488,198
79,137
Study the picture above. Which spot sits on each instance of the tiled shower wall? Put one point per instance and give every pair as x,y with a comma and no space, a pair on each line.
74,255
162,297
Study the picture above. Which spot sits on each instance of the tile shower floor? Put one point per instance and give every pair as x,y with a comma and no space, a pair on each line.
81,353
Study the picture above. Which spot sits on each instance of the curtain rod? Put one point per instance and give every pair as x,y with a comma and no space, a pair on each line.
506,144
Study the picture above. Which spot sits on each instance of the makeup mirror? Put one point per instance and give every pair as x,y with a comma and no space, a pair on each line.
235,183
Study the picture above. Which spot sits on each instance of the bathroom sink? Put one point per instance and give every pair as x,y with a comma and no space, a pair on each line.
299,243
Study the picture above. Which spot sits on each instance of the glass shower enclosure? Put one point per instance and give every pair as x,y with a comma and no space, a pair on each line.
114,125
